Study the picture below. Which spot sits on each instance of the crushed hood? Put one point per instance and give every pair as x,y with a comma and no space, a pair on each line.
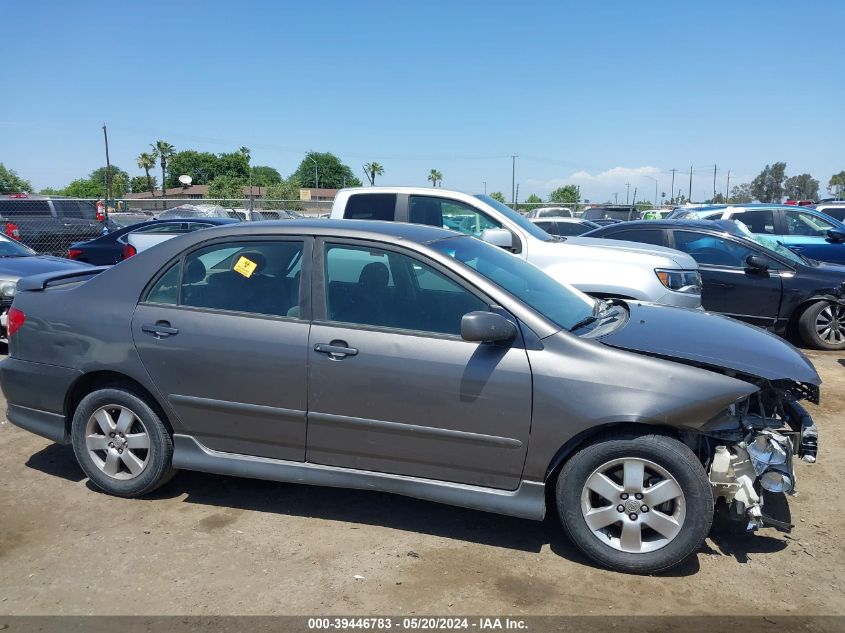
711,339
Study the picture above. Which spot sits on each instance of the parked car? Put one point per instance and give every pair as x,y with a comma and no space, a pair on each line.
17,261
122,219
833,210
605,221
198,211
621,212
49,225
655,214
753,277
565,227
601,269
635,416
804,230
550,212
116,246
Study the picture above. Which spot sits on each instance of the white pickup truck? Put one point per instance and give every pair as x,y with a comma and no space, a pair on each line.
601,268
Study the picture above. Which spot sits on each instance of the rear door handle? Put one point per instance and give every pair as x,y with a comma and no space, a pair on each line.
161,329
336,349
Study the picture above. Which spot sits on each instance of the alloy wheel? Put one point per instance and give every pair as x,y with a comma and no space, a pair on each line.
117,442
830,324
633,505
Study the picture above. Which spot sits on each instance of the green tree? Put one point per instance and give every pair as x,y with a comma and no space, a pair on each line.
287,190
768,185
531,202
140,184
567,194
202,167
230,189
51,191
331,172
10,182
94,186
498,196
741,194
165,151
801,187
235,164
373,170
836,184
146,161
264,176
435,177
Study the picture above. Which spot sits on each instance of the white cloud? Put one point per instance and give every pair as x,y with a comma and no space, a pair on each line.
604,183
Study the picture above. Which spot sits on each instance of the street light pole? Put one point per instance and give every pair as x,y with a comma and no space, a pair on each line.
485,187
513,179
316,174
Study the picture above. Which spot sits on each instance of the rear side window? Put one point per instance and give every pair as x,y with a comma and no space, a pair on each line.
83,209
758,220
646,236
371,206
10,208
711,250
166,289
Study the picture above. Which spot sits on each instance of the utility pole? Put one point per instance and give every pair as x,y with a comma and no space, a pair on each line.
615,197
714,182
108,170
689,197
627,193
672,189
728,187
485,187
513,179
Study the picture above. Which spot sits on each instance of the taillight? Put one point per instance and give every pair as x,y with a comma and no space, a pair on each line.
12,230
16,319
74,253
129,251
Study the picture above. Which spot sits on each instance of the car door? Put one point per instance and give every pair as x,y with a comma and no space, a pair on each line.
220,335
730,286
806,233
392,386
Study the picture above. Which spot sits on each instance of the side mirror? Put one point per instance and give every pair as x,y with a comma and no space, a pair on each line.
757,262
487,327
835,236
498,237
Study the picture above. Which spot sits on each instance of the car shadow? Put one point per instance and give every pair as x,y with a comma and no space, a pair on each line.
362,507
58,461
842,361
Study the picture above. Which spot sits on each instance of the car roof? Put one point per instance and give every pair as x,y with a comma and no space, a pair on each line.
707,225
361,229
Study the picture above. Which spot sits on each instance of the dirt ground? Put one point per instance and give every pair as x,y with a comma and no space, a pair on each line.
208,545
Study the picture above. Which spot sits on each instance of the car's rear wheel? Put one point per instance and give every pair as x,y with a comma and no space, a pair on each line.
121,443
637,504
822,325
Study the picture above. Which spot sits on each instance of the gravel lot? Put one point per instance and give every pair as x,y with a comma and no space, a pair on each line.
214,545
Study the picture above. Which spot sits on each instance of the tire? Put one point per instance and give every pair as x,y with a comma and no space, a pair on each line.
812,323
128,465
684,519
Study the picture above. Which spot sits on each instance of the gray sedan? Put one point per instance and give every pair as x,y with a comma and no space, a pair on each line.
413,360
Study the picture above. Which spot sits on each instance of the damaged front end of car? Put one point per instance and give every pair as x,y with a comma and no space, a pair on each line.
752,445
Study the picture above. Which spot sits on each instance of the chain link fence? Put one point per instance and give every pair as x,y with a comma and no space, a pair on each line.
50,225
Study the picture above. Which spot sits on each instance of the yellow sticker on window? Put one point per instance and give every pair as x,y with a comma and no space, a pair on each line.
245,267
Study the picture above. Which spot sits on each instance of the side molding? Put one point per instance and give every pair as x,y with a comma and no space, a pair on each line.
528,501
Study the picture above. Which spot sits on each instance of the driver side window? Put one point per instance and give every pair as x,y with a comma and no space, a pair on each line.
449,214
711,250
800,223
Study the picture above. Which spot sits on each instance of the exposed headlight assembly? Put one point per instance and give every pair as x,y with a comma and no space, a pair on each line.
8,287
688,281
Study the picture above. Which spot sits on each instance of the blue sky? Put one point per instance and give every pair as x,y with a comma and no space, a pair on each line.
598,94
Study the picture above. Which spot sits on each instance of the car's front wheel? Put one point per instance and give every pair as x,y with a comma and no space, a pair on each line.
822,325
121,443
637,504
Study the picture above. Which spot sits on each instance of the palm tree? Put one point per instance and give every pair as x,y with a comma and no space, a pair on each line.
164,150
373,170
146,161
435,176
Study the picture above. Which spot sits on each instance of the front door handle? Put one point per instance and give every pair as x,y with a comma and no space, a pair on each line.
161,329
336,350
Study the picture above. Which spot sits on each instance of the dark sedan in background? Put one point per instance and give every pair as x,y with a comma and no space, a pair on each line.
752,277
112,248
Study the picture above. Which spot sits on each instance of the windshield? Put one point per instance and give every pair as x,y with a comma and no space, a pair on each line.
771,244
526,225
11,248
559,303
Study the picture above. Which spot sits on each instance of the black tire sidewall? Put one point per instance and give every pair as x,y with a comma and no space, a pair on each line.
807,328
668,453
158,469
